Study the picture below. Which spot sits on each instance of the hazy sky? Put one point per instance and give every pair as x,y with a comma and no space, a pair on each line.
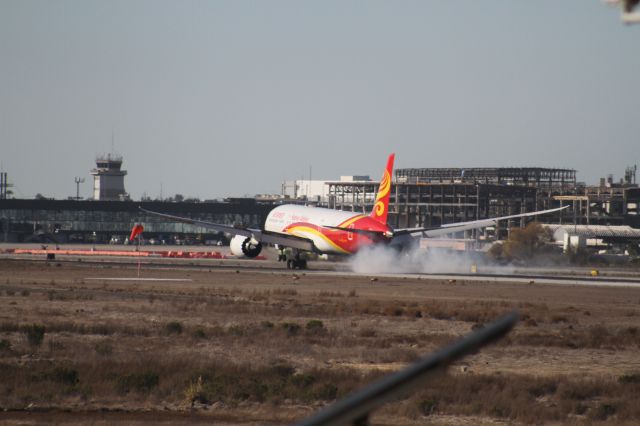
223,98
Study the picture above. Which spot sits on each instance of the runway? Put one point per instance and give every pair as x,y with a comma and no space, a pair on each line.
568,276
524,279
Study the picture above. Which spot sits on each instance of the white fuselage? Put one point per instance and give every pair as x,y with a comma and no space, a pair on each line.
308,222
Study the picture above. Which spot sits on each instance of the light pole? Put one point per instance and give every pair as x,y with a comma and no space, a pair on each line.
78,181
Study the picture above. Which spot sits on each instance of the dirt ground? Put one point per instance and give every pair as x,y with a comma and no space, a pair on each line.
235,345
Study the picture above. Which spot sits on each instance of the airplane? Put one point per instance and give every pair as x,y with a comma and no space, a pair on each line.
328,231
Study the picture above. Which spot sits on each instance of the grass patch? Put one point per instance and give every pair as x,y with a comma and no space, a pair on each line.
596,336
277,383
137,382
523,399
103,348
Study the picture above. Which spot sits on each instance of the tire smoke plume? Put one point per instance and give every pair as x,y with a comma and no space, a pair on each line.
381,259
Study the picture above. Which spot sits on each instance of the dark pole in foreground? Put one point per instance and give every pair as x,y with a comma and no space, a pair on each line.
355,409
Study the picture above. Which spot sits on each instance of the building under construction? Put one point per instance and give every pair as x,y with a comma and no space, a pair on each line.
426,197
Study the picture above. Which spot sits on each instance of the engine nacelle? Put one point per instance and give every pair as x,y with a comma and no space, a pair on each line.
245,246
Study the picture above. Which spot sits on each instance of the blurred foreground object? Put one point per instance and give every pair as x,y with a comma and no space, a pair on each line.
355,408
628,15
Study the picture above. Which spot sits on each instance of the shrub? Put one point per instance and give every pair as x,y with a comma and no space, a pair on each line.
367,332
327,392
523,243
496,251
603,412
315,327
580,408
195,393
629,378
34,334
427,406
237,330
282,370
291,328
598,335
64,375
302,380
5,345
60,374
234,383
393,311
199,334
140,382
174,327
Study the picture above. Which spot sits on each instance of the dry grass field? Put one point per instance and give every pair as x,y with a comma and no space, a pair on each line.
269,347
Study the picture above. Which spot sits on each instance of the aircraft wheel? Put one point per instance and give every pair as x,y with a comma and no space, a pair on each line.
290,264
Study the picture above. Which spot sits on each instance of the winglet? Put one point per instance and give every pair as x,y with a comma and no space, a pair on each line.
381,206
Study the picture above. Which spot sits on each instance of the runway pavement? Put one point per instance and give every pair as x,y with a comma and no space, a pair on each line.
556,275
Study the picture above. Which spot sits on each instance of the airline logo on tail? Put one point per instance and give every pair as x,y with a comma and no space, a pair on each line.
381,206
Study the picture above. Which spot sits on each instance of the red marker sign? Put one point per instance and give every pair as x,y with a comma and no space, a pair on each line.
137,230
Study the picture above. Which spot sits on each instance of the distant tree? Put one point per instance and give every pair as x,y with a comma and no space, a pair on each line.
525,243
178,198
497,250
39,196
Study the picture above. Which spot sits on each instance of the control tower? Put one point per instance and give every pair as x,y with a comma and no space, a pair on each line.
108,179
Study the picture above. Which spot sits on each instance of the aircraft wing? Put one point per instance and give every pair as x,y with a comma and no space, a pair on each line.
450,228
286,240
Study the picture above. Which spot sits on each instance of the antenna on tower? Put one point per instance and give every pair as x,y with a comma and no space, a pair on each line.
78,181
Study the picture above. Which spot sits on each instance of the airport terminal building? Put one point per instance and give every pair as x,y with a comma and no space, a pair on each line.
111,221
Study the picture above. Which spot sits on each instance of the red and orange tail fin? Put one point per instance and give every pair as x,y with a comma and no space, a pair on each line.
381,206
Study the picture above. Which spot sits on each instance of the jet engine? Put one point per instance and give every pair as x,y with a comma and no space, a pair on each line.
245,246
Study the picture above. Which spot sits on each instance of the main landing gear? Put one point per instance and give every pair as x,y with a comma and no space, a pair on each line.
297,263
294,259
